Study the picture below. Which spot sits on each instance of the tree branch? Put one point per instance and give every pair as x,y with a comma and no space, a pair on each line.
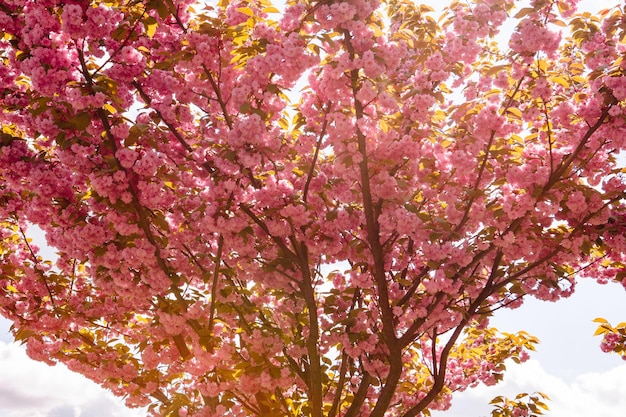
373,238
315,369
315,156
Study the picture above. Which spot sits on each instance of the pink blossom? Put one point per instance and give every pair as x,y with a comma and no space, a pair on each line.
126,157
531,37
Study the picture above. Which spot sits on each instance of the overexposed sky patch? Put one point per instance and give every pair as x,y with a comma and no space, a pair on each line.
597,394
34,389
568,366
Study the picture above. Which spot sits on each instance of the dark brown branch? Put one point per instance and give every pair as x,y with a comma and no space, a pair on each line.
550,136
148,101
39,272
246,404
416,282
411,333
344,358
475,188
122,45
360,396
315,369
264,227
169,4
440,375
433,352
305,192
569,160
340,383
303,374
490,288
216,272
218,95
373,238
483,165
142,220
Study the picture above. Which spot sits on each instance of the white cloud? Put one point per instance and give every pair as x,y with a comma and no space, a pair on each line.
598,394
565,328
594,394
62,411
34,389
595,5
568,366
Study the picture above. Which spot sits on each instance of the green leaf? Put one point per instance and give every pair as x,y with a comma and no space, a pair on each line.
23,334
81,121
160,7
245,108
120,33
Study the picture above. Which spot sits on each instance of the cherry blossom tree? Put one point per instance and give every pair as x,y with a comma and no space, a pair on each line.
311,211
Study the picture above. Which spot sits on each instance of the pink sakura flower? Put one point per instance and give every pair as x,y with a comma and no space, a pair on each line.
609,342
120,130
38,350
342,12
101,17
233,16
366,93
618,88
577,202
531,38
147,164
72,18
542,89
126,157
130,56
371,67
291,17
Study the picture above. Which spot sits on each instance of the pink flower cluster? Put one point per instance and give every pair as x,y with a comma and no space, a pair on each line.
532,37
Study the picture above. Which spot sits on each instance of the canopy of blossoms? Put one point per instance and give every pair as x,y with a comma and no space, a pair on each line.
310,211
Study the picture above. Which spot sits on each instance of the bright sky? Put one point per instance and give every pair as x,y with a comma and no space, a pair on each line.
581,380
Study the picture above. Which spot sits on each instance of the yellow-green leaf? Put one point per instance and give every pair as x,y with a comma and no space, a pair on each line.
150,23
524,12
560,80
246,10
109,108
151,30
515,112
